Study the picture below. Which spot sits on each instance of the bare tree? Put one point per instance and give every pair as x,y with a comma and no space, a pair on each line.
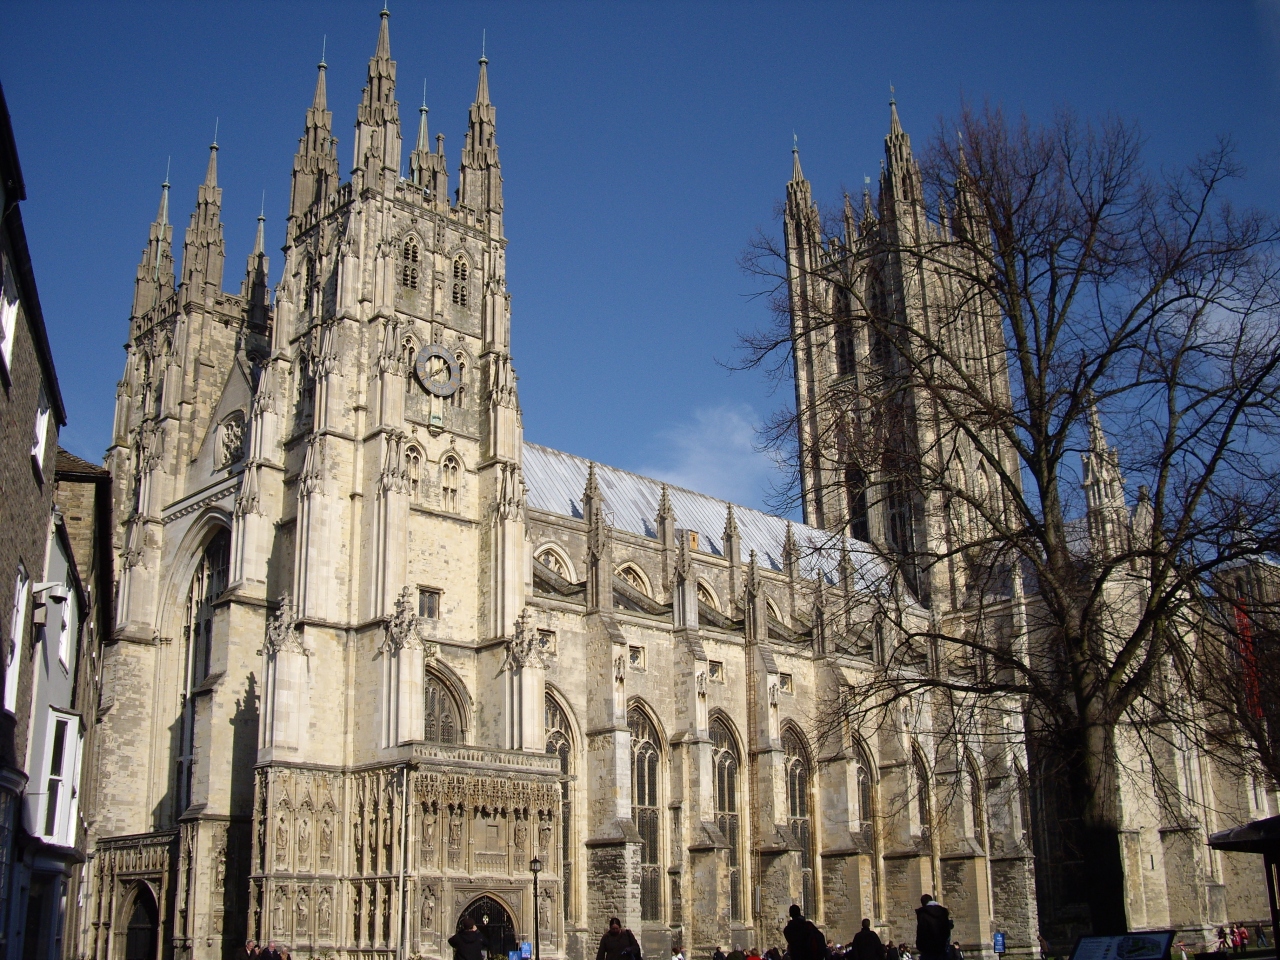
1078,305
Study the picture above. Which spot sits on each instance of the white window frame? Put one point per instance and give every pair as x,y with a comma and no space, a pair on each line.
8,314
66,801
13,651
68,611
41,437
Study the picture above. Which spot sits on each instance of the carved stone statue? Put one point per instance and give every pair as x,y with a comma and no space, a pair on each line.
304,841
428,909
282,840
324,913
302,909
326,840
279,910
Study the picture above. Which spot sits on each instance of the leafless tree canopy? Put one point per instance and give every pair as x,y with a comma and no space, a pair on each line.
1133,309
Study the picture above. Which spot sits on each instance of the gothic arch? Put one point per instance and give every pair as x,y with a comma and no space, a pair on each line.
639,703
921,788
631,572
138,893
708,595
188,553
558,552
575,729
436,669
977,797
513,916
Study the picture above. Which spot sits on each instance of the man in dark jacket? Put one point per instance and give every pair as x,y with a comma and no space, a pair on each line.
804,941
618,944
867,944
933,929
467,943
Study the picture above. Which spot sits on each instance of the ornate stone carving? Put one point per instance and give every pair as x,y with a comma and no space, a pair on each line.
233,436
524,649
302,909
620,668
773,694
280,912
282,631
282,840
304,843
700,682
428,909
405,629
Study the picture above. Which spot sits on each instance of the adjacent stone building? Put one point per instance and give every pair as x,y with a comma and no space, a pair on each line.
374,653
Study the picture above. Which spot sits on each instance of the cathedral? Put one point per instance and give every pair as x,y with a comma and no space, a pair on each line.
380,664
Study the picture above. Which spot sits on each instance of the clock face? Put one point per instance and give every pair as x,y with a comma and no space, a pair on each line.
437,371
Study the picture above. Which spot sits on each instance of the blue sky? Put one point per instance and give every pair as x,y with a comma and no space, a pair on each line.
642,144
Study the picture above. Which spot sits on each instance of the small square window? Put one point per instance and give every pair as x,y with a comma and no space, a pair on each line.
715,671
547,642
786,684
636,658
429,603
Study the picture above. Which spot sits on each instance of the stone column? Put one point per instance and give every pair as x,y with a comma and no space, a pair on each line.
285,699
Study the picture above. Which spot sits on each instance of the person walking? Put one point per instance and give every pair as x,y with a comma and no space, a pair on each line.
955,953
1260,935
250,950
467,943
719,954
618,944
804,940
891,951
933,929
867,944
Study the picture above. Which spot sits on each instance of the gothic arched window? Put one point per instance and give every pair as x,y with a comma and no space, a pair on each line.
799,801
632,575
207,584
413,471
409,277
866,800
410,250
644,810
440,716
456,398
855,490
449,484
560,745
724,752
460,273
921,790
460,269
977,820
552,560
706,596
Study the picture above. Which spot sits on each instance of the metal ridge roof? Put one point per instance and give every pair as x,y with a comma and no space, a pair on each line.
556,480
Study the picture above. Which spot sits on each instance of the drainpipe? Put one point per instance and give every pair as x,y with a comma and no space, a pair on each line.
404,860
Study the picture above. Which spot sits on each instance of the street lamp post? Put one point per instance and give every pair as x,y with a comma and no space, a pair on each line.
535,867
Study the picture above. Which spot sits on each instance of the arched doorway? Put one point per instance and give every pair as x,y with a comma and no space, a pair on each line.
494,923
143,930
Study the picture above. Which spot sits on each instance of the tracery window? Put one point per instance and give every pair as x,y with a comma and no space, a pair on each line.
460,269
449,484
799,778
634,577
706,596
553,562
410,250
440,718
724,752
207,584
409,277
559,745
644,810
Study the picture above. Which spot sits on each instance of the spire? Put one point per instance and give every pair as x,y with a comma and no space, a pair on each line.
900,179
203,249
254,290
426,169
480,187
801,212
1107,516
895,125
665,510
155,279
797,175
730,524
315,165
377,146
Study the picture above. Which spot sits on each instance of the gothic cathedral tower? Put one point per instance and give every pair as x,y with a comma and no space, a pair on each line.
879,459
323,558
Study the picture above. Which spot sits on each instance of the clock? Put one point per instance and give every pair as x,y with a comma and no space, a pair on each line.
437,371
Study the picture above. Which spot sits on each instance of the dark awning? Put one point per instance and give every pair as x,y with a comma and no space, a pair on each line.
1260,836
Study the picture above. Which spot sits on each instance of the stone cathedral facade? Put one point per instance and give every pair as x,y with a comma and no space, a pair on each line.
374,652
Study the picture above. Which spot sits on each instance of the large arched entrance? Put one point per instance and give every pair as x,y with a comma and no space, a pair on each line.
143,932
494,923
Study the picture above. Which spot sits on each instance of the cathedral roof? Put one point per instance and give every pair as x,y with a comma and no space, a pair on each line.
556,480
